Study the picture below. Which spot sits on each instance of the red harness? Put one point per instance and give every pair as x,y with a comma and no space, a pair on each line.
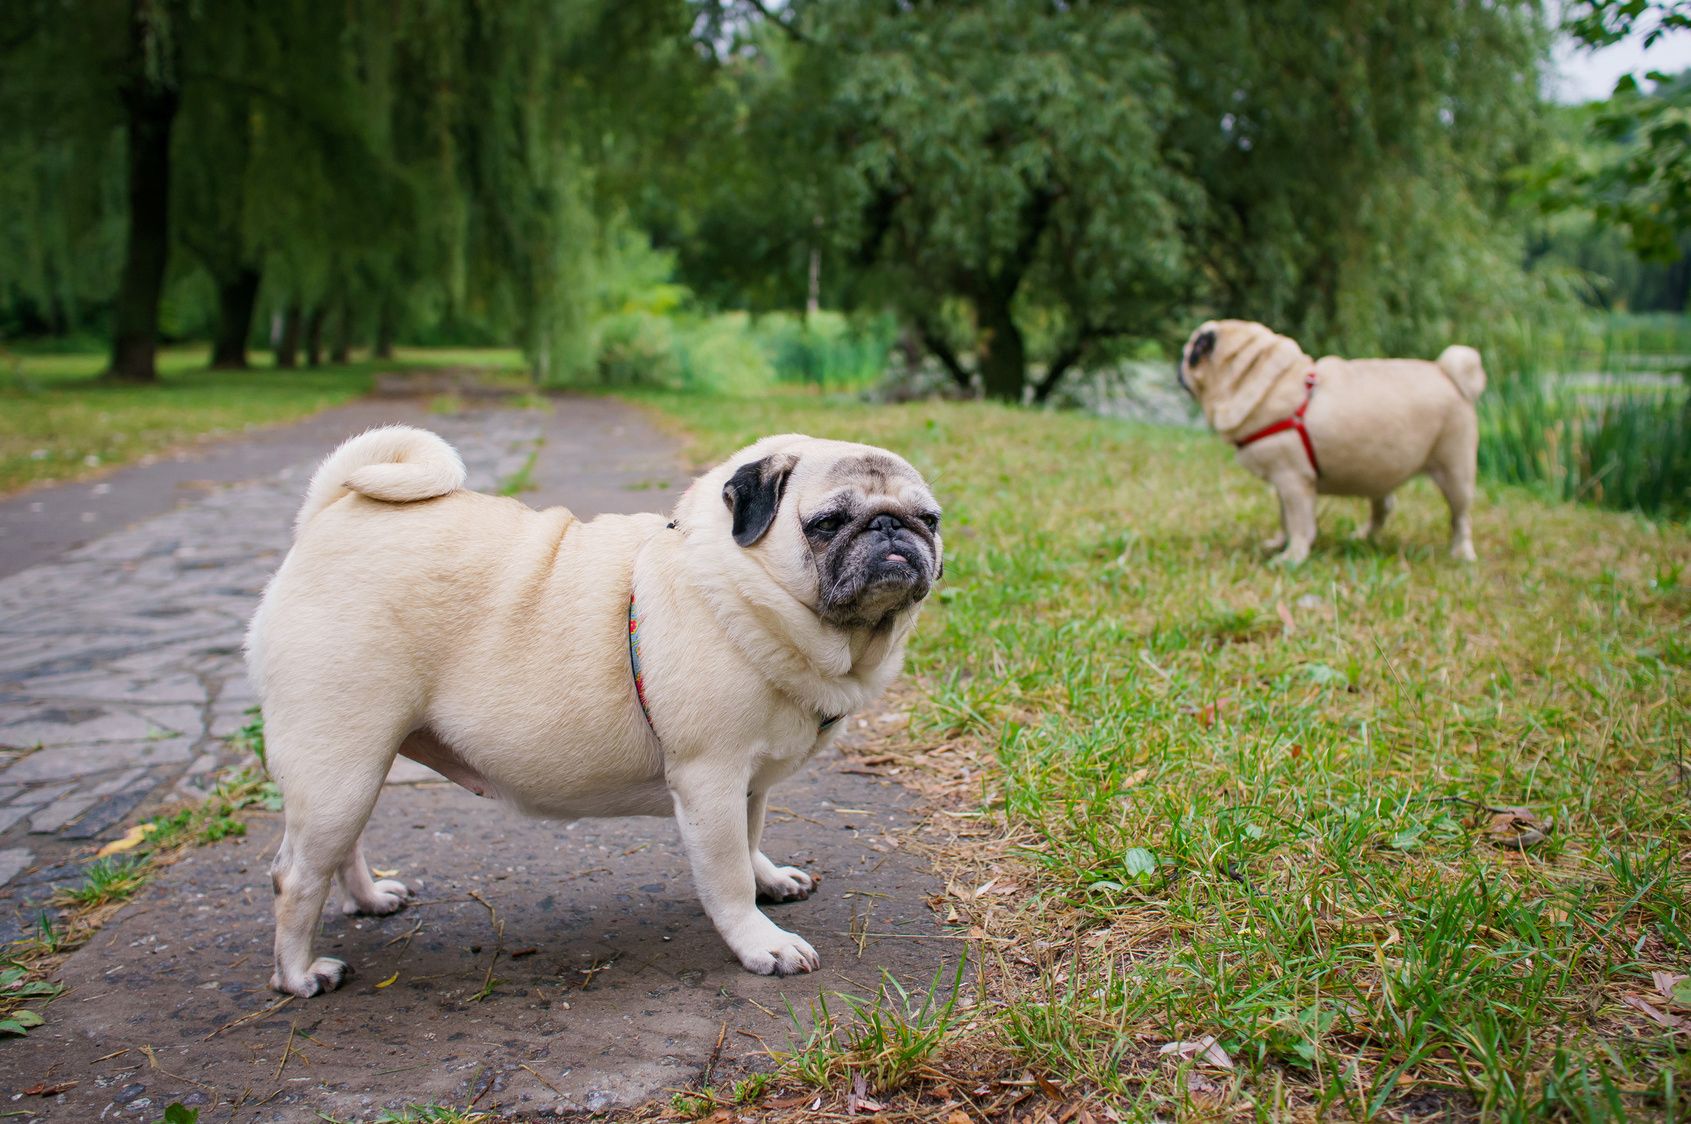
1293,422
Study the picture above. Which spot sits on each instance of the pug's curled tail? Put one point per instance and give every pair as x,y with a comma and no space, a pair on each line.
396,463
1462,364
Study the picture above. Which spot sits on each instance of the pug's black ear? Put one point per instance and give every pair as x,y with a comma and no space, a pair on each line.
753,495
1201,348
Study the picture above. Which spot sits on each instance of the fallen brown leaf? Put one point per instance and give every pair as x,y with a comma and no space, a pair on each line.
1204,1049
45,1090
1517,828
1674,988
858,1099
1661,1018
1285,617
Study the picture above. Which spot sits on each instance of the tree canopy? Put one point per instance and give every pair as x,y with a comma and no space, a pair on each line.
1027,185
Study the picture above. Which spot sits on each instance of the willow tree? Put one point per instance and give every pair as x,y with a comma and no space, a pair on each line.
427,157
1356,160
62,206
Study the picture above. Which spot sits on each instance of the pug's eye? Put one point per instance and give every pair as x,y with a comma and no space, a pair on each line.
930,520
826,526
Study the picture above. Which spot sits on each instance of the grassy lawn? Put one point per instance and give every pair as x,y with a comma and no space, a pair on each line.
1214,798
58,422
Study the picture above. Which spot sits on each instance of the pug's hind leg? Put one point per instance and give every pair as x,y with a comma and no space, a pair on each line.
1378,508
774,883
327,796
711,806
361,893
1297,507
1458,487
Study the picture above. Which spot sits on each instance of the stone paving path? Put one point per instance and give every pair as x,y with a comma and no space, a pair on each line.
120,679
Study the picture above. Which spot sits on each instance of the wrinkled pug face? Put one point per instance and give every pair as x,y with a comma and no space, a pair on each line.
855,526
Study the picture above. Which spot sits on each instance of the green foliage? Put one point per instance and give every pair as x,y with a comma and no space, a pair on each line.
178,1113
105,881
16,989
1626,162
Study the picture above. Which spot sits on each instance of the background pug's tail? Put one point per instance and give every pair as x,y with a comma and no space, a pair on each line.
397,464
1462,364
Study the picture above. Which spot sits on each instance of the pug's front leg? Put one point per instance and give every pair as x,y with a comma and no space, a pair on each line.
711,805
774,883
1297,512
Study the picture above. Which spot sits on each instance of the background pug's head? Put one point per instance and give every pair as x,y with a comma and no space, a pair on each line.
852,531
1230,365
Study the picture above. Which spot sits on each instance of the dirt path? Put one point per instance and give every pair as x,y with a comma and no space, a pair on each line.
609,987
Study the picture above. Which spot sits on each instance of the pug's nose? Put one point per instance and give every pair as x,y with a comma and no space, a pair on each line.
886,524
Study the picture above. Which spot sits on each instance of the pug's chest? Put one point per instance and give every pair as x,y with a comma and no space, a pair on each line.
783,757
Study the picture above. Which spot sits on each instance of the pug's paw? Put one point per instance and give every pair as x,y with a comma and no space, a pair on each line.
772,951
1278,542
325,974
1293,555
783,883
389,896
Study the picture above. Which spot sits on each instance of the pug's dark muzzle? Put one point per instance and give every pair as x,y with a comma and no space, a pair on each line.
883,565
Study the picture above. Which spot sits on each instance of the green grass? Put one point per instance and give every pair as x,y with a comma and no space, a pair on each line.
1219,823
104,881
59,422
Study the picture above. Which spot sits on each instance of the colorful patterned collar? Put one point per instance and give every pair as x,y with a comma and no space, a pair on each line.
640,683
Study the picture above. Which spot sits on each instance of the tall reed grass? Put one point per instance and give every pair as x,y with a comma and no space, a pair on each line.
1602,417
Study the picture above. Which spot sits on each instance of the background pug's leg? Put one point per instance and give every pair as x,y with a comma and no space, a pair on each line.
1378,508
774,883
711,806
363,894
1297,507
327,796
1277,541
1457,484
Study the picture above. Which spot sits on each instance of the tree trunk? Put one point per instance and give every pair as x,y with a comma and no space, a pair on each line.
1003,363
342,350
151,98
287,348
1059,366
237,297
314,335
384,332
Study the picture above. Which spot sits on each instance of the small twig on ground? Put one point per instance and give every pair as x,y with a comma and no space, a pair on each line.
716,1053
498,947
287,1048
153,1061
406,936
276,1006
1472,804
594,969
486,1085
542,1080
